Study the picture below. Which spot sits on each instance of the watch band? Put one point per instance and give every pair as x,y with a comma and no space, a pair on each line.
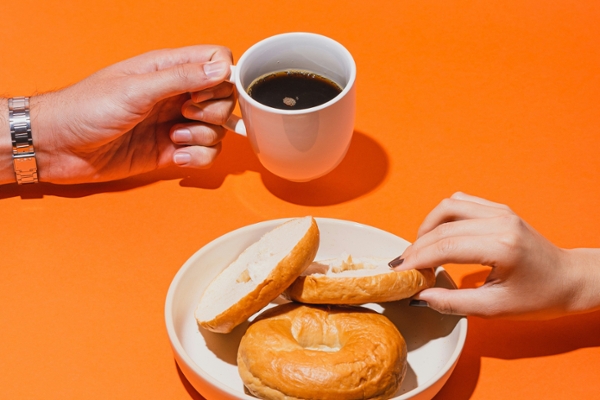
24,161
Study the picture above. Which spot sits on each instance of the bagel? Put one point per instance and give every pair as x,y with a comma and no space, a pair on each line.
295,351
354,280
258,275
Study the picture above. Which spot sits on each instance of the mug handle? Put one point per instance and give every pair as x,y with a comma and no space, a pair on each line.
234,123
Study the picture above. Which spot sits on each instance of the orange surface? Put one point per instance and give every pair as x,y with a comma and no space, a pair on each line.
497,99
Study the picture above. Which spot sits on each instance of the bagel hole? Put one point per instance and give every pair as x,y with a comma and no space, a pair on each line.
316,267
323,338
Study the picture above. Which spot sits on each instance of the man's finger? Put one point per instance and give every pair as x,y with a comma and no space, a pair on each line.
181,78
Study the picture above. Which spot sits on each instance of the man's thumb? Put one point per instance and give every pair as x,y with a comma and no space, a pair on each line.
182,78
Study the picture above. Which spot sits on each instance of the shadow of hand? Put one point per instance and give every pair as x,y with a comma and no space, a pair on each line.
362,170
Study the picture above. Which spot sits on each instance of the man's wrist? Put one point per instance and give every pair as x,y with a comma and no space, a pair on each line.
23,151
42,140
7,173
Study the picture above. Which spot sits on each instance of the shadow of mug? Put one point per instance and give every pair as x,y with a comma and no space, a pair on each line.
362,170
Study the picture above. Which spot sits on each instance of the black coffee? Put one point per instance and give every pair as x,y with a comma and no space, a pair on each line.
293,89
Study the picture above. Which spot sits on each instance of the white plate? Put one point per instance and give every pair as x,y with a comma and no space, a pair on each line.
208,360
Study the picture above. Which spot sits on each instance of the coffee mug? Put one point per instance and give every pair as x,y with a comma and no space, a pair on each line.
297,144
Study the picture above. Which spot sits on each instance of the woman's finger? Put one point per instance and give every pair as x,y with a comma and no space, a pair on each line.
481,302
475,199
465,227
453,209
489,250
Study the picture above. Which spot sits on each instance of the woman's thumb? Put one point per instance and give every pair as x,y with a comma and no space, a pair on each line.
454,301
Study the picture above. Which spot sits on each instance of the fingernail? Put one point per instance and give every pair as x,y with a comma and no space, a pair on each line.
182,136
418,303
396,262
215,68
182,158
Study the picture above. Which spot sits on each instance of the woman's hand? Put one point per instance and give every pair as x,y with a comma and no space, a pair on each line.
529,277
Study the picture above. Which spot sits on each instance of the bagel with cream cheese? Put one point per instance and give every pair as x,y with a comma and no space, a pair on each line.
258,275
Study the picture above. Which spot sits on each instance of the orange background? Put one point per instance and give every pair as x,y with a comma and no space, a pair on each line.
498,99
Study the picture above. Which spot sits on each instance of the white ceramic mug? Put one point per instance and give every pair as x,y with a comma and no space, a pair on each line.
298,145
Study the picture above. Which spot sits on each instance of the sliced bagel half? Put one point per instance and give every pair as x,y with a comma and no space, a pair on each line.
259,275
356,280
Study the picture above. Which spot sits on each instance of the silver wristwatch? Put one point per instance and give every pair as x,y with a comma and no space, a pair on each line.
22,142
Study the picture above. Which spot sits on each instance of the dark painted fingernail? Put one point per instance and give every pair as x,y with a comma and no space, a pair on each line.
418,303
396,262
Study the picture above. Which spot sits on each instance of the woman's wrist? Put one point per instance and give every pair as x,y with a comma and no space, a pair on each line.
584,270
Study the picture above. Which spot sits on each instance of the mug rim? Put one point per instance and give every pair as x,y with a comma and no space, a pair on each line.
242,91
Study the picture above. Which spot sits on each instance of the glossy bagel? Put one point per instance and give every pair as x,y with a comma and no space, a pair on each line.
357,280
296,351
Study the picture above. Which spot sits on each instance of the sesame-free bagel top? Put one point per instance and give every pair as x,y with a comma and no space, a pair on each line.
295,351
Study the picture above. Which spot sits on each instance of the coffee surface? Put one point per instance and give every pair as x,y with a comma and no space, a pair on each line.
293,89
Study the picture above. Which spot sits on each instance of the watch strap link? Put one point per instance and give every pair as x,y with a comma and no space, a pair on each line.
24,162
